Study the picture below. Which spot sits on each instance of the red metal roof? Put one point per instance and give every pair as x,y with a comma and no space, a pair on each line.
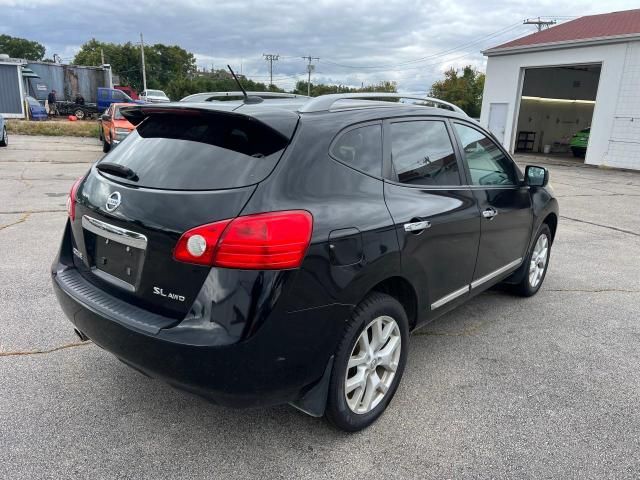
590,27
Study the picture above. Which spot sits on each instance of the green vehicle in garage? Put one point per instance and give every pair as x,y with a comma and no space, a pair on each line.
579,143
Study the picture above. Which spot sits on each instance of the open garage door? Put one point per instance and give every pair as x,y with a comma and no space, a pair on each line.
556,109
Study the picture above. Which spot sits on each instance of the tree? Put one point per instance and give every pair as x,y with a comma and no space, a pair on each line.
464,90
21,48
324,89
164,63
219,81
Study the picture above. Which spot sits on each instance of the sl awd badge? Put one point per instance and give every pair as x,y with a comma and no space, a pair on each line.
172,296
113,201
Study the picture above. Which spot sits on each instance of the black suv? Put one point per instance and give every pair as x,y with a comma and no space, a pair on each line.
258,254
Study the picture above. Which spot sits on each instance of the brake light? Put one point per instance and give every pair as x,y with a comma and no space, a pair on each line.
71,199
198,245
264,241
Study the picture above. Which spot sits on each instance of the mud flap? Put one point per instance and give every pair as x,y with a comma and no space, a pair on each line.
314,401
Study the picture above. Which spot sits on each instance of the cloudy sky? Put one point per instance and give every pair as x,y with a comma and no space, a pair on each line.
411,42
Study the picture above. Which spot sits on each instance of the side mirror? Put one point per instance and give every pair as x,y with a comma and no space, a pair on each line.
105,117
536,176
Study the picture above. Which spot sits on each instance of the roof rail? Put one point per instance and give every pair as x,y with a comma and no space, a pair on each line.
205,96
324,103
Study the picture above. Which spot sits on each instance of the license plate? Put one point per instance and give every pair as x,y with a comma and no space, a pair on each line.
118,260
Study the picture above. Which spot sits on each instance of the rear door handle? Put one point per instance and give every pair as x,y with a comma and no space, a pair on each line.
417,226
489,213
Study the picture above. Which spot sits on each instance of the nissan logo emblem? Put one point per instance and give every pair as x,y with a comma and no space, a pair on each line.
113,201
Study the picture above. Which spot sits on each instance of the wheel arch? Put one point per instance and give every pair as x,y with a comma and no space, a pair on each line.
403,291
552,221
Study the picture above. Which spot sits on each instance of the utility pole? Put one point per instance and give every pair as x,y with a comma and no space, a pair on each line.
539,23
310,68
144,70
102,56
271,57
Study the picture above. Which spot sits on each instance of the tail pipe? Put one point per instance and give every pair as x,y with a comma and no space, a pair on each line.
80,335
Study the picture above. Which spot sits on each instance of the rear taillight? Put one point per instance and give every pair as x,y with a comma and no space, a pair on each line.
71,199
265,241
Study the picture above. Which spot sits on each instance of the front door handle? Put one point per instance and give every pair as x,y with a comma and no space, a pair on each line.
489,213
417,226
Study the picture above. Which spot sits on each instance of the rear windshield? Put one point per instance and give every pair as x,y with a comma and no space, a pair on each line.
198,152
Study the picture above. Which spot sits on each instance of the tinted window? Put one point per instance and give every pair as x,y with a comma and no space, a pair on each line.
487,164
361,148
118,95
117,114
422,153
198,152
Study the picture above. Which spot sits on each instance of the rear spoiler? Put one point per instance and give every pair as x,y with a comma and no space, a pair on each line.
283,122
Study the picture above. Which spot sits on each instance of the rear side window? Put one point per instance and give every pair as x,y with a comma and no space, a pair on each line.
198,152
422,153
361,148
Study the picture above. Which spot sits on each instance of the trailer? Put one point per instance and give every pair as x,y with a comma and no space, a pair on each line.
81,111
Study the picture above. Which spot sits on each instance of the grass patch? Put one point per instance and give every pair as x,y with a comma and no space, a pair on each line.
54,128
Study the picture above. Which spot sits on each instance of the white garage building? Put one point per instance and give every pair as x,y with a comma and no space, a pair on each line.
543,88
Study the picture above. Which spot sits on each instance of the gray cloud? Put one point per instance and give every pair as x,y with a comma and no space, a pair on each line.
357,42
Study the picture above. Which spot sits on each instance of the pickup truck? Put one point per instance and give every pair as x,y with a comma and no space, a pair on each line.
107,96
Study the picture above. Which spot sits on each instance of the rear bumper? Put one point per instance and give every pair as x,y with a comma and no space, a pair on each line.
279,363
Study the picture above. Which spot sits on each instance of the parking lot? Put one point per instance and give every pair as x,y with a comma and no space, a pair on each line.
502,387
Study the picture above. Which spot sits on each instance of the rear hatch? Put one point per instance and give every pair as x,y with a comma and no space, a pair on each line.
181,168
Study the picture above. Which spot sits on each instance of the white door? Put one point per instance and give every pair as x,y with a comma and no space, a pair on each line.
498,120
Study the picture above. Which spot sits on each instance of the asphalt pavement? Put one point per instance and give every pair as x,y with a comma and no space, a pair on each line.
503,387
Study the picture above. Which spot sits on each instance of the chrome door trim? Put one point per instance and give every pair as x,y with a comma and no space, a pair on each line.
495,273
489,213
117,234
417,226
449,297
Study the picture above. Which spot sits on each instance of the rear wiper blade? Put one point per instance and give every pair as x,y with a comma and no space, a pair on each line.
118,170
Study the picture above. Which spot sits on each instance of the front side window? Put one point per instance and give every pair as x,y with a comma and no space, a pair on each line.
422,153
487,164
117,114
118,95
361,148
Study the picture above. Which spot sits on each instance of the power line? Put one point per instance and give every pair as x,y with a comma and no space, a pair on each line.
144,70
434,55
310,68
539,23
271,57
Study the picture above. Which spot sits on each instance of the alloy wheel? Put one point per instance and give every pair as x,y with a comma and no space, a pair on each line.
538,262
372,365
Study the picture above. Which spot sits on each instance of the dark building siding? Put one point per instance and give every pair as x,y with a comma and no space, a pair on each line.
10,101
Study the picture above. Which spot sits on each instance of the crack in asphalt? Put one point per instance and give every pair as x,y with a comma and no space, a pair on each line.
44,352
465,332
52,162
17,212
597,290
22,219
603,226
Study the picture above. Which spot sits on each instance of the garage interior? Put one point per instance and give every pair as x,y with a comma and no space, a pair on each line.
556,103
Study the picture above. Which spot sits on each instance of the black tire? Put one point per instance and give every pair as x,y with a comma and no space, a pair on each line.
338,411
525,288
106,146
579,152
4,138
79,113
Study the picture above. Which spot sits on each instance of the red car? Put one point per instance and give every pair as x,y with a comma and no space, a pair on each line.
113,126
128,90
